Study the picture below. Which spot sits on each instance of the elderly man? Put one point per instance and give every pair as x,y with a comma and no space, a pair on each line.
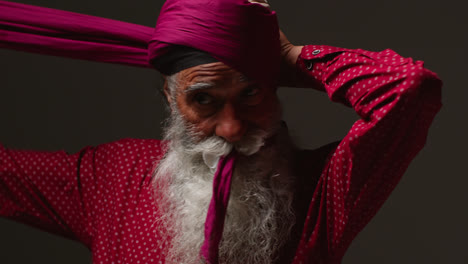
227,185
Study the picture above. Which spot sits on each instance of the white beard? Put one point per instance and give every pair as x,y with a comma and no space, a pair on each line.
259,215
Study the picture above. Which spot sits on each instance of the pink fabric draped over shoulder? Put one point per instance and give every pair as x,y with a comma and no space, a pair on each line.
238,33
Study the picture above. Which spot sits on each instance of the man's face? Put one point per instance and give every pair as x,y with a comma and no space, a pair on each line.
215,99
216,109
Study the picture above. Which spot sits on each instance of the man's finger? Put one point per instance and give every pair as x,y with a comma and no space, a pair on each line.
261,2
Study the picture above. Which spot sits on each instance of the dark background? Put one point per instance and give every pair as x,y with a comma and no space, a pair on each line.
50,103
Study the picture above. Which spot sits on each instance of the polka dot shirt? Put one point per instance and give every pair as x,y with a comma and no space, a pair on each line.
103,197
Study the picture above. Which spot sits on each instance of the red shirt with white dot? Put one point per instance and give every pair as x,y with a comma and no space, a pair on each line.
103,196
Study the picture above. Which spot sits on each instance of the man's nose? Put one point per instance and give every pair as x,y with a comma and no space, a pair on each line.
230,126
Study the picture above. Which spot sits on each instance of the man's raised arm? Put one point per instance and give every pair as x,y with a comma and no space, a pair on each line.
397,99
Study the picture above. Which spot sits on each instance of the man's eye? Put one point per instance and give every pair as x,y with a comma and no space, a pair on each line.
252,96
251,91
203,99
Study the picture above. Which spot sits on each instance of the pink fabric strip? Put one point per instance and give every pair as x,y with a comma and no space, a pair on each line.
214,223
241,34
67,34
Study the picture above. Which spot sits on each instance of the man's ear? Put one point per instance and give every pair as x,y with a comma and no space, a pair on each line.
166,92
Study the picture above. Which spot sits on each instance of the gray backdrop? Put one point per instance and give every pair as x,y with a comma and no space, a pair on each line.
50,103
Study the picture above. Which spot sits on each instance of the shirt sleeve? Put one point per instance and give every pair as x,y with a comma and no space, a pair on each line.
65,194
396,99
42,189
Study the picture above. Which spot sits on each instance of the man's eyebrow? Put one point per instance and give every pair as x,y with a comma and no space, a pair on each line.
198,86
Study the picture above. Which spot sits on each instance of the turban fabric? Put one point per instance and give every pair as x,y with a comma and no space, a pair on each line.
243,35
67,34
238,33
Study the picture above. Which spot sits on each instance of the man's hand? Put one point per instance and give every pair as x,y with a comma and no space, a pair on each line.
262,2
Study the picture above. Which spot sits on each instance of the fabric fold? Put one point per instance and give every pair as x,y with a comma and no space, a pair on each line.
216,215
67,34
241,34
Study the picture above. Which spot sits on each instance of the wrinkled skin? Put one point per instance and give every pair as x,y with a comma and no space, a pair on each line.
228,107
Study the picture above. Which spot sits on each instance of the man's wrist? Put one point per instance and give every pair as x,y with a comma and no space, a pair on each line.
289,70
292,56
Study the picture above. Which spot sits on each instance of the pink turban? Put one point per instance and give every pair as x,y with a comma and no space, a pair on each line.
241,34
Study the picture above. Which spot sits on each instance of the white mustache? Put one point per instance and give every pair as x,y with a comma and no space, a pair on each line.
214,147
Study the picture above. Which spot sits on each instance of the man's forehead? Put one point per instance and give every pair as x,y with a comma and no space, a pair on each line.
212,73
